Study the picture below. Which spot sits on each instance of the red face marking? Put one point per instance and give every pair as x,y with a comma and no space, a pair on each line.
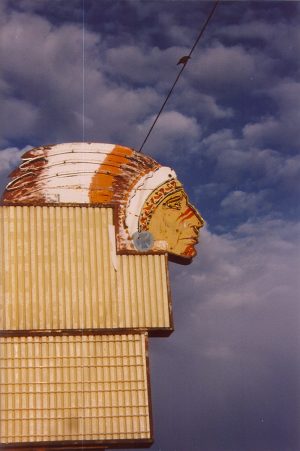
188,213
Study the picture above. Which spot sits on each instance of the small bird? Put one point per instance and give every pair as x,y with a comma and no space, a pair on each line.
183,59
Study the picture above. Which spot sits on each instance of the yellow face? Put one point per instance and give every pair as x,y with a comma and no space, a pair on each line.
177,222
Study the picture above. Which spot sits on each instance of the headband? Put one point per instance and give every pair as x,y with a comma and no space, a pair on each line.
141,191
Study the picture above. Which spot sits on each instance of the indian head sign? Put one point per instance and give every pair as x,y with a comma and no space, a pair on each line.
86,233
148,196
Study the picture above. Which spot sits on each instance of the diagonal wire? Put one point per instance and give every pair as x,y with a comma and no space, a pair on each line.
181,70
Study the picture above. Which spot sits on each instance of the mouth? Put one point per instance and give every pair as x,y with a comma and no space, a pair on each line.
190,240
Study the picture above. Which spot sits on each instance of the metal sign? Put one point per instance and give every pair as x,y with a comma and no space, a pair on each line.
86,230
148,196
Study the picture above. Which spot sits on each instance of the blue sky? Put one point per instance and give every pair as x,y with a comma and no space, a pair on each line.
228,378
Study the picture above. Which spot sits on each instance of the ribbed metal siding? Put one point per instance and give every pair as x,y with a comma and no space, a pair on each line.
74,388
142,286
57,273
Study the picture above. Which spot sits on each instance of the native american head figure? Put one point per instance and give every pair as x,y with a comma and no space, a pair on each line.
147,196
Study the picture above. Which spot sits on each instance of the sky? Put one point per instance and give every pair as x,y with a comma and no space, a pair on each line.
228,378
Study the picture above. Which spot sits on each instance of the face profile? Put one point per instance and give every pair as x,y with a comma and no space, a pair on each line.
177,222
147,196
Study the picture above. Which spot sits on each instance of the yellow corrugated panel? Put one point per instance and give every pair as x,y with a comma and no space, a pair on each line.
58,272
74,388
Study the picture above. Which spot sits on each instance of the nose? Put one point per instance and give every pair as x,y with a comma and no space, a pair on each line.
197,219
191,217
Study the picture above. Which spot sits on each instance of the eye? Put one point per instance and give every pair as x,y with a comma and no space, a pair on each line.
175,203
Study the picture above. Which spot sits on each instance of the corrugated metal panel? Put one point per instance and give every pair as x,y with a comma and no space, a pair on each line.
74,388
57,272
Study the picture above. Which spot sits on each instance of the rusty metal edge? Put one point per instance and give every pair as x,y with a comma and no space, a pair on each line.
153,332
79,444
55,204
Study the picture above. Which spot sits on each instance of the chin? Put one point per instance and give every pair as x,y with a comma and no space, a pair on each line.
180,259
183,257
189,252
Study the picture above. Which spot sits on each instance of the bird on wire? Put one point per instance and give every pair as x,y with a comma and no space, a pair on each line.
184,60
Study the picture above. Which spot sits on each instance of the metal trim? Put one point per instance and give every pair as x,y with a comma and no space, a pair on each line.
153,332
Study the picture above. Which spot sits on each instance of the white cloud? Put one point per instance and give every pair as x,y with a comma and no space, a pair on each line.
289,173
209,190
232,157
282,38
9,159
237,160
18,119
143,65
236,314
218,351
193,101
208,105
42,66
235,344
173,131
220,67
158,66
257,133
282,129
251,30
239,202
258,263
178,124
49,79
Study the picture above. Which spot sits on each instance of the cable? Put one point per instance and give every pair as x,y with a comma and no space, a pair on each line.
184,62
83,70
83,139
